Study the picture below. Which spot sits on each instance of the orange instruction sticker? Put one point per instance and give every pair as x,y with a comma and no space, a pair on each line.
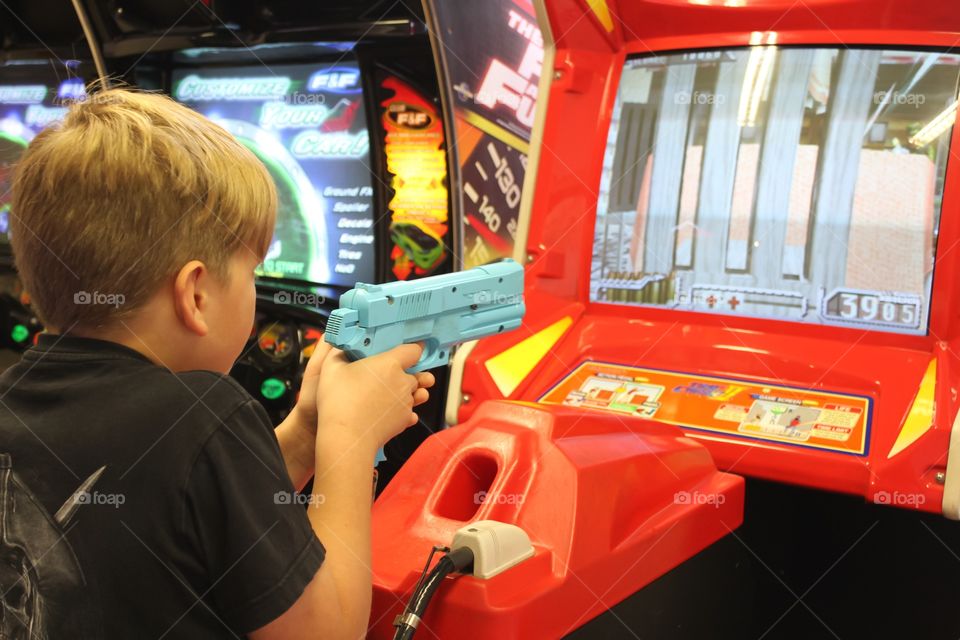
819,419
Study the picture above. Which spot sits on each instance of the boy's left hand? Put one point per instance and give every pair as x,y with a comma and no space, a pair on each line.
305,411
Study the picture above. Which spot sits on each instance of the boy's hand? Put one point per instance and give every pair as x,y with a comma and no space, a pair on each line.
373,397
306,411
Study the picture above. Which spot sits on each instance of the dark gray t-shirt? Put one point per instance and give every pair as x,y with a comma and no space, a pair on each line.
138,503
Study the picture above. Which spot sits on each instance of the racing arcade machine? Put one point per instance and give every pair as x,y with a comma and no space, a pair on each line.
307,123
743,257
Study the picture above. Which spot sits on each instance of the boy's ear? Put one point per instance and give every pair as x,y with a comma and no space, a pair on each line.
190,296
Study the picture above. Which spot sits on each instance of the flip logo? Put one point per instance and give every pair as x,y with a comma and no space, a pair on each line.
335,80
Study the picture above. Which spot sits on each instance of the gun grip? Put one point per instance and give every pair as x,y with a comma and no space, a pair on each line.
434,355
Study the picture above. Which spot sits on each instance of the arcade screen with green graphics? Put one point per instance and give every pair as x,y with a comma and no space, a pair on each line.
307,124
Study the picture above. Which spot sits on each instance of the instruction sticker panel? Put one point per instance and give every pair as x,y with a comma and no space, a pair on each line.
818,419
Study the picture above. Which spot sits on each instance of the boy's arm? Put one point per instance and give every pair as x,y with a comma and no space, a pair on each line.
297,445
298,433
336,603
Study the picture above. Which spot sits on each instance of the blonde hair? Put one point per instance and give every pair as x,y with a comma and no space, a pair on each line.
125,190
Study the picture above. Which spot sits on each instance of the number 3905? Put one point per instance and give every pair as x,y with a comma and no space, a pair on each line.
866,307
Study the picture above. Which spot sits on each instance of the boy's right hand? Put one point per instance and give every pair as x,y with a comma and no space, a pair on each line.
373,397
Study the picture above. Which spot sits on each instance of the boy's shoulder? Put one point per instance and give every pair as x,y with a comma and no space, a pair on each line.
103,385
206,403
206,399
211,388
73,411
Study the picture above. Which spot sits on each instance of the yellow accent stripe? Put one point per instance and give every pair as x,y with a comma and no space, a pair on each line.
602,11
920,418
509,368
497,132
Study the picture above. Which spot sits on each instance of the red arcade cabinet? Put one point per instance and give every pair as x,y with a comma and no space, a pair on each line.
740,226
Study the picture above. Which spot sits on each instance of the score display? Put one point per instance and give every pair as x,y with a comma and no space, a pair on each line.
872,308
307,124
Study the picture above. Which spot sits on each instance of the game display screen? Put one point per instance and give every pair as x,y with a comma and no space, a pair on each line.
26,107
307,124
800,184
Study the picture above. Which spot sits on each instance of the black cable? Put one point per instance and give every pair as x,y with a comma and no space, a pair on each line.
456,560
404,632
426,570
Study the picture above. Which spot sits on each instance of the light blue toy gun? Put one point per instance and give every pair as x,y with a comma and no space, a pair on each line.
439,311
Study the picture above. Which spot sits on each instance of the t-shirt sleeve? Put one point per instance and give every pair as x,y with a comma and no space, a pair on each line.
245,520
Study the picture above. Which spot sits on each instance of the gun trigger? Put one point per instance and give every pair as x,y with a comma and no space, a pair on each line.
430,359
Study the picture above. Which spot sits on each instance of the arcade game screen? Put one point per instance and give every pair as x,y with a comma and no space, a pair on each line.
26,107
800,184
308,125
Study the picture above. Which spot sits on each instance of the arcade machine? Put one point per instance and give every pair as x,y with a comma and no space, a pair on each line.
356,151
43,62
739,228
339,102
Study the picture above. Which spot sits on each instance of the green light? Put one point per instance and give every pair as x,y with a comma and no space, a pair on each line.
19,333
273,388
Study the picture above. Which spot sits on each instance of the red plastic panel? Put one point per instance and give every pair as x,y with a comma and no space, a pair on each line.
593,495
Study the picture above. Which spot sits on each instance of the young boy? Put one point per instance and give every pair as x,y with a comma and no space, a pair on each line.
143,493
